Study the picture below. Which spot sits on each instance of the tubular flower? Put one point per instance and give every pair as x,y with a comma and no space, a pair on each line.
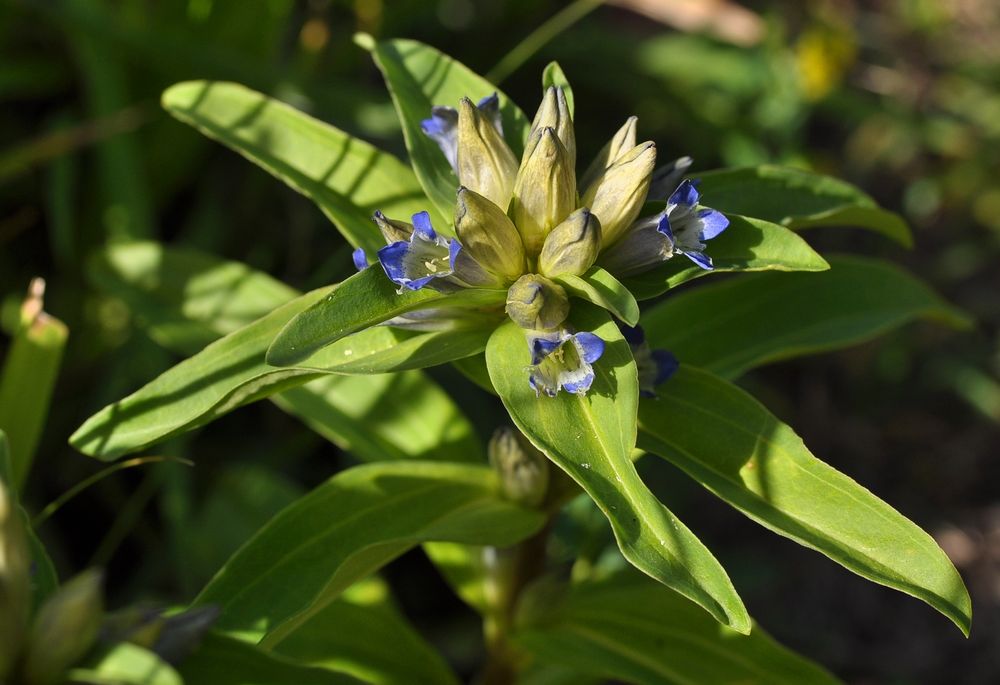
561,360
654,366
523,225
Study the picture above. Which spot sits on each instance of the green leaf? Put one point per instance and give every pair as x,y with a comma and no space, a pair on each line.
366,637
346,177
185,298
26,382
747,245
462,566
591,438
127,664
231,373
222,660
44,579
604,290
798,199
419,77
365,299
730,327
188,299
731,444
356,522
5,467
626,629
553,75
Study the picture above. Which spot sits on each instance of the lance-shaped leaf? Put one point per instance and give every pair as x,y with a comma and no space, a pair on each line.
232,372
420,77
625,628
748,244
730,327
604,290
364,635
732,445
223,660
363,300
798,199
27,380
346,177
350,526
553,75
591,438
187,299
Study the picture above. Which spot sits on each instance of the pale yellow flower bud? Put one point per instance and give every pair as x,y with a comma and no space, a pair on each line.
620,143
523,470
485,162
536,303
572,246
392,230
488,235
617,196
545,189
15,588
554,113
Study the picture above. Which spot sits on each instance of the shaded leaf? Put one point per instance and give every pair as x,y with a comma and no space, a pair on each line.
346,177
625,628
604,290
345,529
730,327
591,438
731,444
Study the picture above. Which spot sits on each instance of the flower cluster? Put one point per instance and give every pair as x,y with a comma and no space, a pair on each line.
523,224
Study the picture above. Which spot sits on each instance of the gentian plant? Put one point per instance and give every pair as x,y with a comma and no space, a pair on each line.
509,253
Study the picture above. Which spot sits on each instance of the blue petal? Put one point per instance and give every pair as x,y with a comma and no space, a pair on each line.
591,347
391,258
422,226
442,128
581,385
360,259
454,248
713,223
663,226
686,194
700,258
666,365
543,347
634,335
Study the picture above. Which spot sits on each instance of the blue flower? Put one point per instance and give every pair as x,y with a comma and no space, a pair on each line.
426,256
442,127
689,225
360,259
561,360
654,366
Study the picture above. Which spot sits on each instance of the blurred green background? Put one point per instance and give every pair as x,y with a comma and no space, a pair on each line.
899,97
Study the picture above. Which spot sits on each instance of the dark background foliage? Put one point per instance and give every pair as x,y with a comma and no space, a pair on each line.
898,96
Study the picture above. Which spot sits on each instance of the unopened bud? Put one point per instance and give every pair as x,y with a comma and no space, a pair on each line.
572,246
536,303
392,230
488,235
15,589
523,470
618,195
485,162
545,189
65,629
620,143
554,113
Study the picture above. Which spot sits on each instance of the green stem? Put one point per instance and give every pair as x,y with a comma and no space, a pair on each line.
537,39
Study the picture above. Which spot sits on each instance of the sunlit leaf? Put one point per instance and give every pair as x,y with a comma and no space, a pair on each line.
731,444
604,290
553,75
591,438
127,664
346,177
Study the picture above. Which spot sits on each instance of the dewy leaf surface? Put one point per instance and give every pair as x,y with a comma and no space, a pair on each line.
748,244
627,629
798,199
350,526
188,298
591,438
731,444
346,177
365,299
419,77
731,327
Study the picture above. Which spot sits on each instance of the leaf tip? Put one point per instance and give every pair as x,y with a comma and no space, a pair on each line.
365,41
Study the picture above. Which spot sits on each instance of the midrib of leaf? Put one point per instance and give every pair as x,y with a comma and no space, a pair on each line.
631,654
